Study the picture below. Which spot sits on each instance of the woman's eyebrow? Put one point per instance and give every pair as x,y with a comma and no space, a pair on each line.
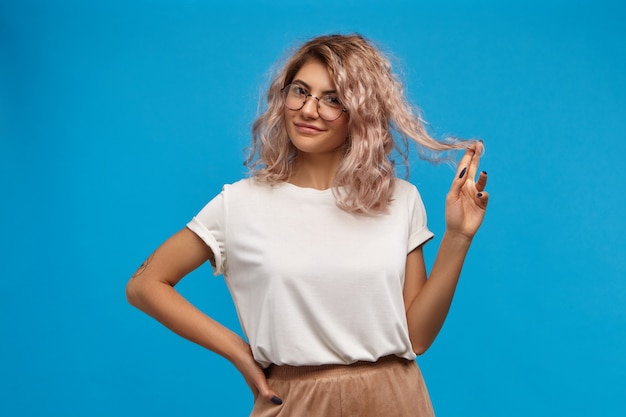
305,85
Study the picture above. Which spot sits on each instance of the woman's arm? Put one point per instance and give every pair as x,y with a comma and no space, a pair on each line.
427,301
151,289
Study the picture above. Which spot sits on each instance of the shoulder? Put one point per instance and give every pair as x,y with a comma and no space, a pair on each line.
406,193
247,190
247,185
403,188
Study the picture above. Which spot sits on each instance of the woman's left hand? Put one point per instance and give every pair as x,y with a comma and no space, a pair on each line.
467,199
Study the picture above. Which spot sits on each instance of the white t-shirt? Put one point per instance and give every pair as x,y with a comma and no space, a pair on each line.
314,284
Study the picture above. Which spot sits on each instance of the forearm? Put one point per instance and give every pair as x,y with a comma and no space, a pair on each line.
161,301
429,309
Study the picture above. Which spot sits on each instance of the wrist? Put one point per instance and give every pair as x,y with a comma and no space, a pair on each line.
457,238
239,353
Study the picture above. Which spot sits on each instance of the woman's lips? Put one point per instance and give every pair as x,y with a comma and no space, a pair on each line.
307,128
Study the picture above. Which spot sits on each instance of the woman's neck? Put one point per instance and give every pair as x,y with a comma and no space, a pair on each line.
315,171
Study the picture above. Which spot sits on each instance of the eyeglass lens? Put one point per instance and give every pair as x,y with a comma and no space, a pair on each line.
328,106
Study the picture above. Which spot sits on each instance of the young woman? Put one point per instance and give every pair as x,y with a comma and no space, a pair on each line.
321,247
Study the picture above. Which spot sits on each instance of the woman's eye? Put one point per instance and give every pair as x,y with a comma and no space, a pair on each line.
332,101
296,89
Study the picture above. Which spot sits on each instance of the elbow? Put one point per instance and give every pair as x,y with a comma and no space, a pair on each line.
419,350
132,292
420,347
140,292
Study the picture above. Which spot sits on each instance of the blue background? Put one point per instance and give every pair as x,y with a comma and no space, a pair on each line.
120,120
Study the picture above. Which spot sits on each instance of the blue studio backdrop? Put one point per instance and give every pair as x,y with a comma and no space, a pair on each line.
119,120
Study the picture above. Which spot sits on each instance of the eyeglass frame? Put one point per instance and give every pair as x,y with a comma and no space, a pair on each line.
285,92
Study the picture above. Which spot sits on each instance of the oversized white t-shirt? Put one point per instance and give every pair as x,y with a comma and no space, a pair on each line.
314,284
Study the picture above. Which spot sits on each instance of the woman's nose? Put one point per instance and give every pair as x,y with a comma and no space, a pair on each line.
310,108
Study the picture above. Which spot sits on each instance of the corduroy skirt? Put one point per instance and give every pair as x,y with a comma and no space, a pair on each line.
390,387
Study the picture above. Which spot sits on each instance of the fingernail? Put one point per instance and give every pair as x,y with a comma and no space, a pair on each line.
480,194
277,400
462,172
485,172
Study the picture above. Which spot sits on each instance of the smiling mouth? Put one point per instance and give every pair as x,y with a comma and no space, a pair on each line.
306,128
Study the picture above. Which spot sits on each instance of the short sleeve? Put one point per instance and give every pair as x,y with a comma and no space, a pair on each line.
418,229
208,224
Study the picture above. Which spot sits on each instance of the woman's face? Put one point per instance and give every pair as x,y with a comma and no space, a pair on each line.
308,132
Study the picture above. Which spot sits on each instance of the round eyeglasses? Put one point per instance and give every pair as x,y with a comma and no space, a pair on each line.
328,106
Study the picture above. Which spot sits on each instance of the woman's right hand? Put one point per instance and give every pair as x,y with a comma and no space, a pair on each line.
254,375
151,289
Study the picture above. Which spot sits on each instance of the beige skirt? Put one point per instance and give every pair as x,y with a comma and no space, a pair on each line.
390,387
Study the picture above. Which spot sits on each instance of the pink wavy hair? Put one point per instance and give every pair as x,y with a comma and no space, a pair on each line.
377,108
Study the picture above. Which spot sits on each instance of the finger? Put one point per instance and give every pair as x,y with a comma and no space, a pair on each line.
267,393
462,172
473,164
482,181
465,161
483,199
273,397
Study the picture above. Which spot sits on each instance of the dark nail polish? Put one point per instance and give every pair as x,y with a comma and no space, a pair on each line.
462,172
277,400
480,194
485,172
